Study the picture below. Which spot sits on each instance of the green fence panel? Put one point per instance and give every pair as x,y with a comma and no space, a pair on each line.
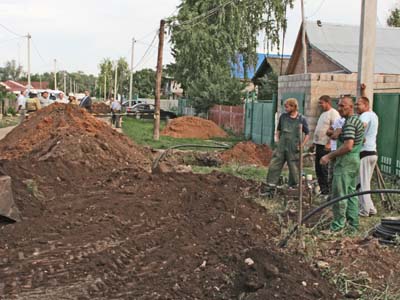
300,99
387,107
259,121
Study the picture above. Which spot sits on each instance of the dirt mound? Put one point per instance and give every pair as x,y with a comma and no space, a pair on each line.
135,235
248,153
72,140
193,127
100,108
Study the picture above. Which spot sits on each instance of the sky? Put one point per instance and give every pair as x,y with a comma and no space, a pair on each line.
79,34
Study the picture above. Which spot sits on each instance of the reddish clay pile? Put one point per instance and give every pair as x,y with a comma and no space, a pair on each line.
100,108
193,127
248,153
71,136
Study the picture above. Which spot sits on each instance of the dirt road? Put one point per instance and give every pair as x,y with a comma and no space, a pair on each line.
5,131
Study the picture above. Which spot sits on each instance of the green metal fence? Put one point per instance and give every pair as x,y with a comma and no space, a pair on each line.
260,121
185,107
387,107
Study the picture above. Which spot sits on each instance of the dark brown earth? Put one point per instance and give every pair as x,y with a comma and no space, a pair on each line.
108,229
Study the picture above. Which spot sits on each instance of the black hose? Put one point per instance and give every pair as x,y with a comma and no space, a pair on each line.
157,160
283,242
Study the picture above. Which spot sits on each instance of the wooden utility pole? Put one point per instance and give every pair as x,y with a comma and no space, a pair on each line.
131,77
303,37
366,51
156,132
55,74
65,82
115,81
29,60
105,86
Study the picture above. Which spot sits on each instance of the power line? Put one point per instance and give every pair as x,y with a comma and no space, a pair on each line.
147,50
13,32
317,10
9,40
38,53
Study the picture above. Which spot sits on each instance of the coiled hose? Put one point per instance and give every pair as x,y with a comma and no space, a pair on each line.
284,242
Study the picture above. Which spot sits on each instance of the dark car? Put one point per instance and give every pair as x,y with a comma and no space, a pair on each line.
146,111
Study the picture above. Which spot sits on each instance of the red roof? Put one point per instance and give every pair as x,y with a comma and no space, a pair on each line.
14,86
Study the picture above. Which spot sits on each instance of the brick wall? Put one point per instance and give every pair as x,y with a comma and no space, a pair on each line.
318,64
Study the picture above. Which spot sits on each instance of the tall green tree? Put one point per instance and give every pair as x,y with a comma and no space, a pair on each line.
10,71
107,75
394,18
208,36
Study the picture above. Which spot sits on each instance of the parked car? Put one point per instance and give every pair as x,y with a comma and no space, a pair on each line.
146,111
130,103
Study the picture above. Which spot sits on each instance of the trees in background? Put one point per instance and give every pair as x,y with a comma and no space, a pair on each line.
10,71
208,37
394,18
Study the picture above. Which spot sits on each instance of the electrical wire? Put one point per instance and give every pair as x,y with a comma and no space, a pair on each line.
9,40
146,52
317,10
12,32
38,53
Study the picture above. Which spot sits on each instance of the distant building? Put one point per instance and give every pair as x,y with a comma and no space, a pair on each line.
17,87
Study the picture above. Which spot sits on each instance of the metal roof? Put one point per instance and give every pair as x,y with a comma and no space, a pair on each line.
340,42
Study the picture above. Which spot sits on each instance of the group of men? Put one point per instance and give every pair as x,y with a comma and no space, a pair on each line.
345,154
30,102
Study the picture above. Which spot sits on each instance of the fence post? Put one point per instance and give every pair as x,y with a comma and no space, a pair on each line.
274,111
252,115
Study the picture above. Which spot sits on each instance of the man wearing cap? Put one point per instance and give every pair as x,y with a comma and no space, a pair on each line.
71,99
33,103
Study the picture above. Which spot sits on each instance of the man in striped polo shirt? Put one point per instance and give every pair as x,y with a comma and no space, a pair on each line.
346,167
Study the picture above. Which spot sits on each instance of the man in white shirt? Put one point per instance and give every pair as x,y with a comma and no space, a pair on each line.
368,154
322,142
21,106
115,109
44,99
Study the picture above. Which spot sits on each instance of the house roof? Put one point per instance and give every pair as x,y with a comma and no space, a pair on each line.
272,62
238,67
340,43
14,86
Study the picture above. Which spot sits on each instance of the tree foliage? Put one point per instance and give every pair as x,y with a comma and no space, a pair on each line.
209,35
10,71
268,86
107,77
394,18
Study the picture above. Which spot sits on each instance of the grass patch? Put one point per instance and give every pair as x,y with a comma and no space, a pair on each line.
141,132
9,121
244,172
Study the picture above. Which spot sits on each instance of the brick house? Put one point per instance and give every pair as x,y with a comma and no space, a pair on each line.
17,87
332,62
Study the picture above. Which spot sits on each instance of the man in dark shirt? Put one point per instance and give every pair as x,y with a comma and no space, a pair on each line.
289,144
346,167
86,101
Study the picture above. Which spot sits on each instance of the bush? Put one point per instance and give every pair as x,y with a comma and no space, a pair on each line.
11,111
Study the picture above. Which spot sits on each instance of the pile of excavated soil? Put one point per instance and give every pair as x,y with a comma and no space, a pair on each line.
96,225
248,153
135,235
193,127
72,141
100,108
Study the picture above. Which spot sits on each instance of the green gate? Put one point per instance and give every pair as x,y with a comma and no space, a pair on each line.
387,107
260,121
